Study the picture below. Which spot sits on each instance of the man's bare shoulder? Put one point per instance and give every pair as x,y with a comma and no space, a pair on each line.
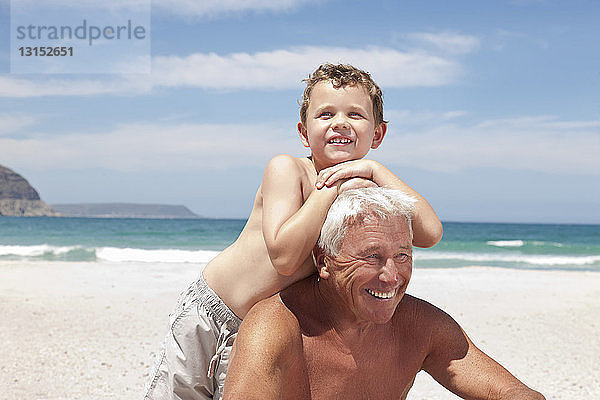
270,320
268,350
421,313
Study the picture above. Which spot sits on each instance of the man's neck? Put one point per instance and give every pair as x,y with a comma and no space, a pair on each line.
335,314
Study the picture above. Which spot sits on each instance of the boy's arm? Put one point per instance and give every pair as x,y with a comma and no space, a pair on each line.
427,228
290,226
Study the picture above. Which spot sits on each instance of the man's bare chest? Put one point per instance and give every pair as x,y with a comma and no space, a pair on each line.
369,371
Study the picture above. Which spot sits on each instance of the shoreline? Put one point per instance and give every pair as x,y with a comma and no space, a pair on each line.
77,330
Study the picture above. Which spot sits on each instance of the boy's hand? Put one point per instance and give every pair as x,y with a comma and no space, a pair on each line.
349,169
355,183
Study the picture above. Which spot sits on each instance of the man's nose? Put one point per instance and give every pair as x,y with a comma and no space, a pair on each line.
389,273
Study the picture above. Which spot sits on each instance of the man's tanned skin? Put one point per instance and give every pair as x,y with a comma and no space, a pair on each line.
352,333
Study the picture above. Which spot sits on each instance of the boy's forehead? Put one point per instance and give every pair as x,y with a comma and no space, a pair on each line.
326,89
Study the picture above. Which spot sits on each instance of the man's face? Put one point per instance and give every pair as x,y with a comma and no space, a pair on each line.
340,125
372,270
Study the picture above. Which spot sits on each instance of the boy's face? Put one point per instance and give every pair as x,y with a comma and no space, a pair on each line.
340,125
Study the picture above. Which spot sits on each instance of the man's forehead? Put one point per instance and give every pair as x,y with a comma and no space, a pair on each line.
372,231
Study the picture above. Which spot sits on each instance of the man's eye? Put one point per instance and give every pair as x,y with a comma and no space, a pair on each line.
402,257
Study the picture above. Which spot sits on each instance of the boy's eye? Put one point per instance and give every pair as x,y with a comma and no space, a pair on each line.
356,115
325,114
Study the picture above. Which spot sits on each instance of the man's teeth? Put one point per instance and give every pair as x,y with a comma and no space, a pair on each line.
381,295
340,141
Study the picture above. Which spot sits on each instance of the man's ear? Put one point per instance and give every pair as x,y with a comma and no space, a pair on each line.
379,135
303,134
322,269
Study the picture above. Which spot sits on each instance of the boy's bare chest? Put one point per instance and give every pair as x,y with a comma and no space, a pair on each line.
371,371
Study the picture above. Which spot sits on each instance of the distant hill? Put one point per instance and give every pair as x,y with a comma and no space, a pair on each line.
18,198
124,210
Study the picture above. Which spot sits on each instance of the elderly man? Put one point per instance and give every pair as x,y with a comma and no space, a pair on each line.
350,332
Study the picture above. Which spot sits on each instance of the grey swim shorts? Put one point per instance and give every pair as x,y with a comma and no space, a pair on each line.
193,360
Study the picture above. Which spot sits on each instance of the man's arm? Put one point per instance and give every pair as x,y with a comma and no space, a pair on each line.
457,364
427,228
267,361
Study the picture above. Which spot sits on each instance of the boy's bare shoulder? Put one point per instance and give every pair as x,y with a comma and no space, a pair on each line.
287,173
288,163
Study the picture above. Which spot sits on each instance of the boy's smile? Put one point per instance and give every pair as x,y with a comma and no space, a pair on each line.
340,125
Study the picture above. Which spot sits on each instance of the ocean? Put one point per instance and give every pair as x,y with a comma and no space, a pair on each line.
522,246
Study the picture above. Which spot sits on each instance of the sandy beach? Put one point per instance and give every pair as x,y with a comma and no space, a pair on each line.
89,330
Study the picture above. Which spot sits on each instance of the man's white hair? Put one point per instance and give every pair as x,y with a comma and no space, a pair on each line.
354,205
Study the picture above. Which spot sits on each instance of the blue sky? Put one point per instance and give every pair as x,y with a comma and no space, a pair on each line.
494,106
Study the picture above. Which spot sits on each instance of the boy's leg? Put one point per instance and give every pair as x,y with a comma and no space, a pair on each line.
194,358
181,369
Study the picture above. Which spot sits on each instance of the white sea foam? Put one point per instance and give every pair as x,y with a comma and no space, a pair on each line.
540,243
533,259
506,243
111,254
114,254
35,250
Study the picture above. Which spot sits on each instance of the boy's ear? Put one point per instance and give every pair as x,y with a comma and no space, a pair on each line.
379,135
303,134
322,269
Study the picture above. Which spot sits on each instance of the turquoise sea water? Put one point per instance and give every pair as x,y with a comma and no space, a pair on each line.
529,246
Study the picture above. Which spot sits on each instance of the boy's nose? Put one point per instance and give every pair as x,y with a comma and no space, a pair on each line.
341,122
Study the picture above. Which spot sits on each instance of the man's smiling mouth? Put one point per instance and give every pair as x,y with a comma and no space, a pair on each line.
381,295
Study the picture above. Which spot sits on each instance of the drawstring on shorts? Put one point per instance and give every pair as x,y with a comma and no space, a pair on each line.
226,339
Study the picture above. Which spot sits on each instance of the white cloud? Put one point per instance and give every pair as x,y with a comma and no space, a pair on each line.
444,143
185,8
532,143
278,69
211,8
448,42
147,147
285,68
20,88
10,123
82,4
409,117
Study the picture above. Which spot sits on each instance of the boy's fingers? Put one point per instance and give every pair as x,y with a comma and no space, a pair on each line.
325,176
341,174
348,169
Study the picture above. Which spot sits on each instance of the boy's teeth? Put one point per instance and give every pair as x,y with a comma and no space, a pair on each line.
340,141
381,295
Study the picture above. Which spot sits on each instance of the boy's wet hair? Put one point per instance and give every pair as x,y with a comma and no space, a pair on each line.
342,75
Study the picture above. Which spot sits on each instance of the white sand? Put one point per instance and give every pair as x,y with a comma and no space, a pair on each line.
89,330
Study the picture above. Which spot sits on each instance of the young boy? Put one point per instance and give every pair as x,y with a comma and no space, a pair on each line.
341,120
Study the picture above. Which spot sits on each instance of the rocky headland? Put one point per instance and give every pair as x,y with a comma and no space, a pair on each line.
19,199
125,210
